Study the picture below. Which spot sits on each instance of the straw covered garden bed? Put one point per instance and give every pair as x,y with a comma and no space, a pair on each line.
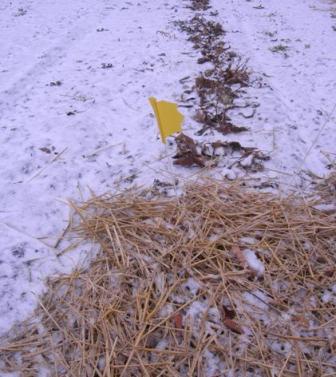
219,281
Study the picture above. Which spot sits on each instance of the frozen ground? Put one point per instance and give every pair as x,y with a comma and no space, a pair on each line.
74,82
291,44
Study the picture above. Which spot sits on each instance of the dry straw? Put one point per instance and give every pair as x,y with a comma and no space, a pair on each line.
172,292
327,188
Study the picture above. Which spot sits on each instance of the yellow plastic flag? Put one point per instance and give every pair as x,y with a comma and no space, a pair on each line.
168,117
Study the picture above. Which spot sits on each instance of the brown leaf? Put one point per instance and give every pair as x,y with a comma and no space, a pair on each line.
233,326
185,144
239,255
186,154
178,321
228,313
189,160
204,83
200,116
228,127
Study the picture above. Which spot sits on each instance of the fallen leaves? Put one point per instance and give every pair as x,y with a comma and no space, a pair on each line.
187,154
178,321
233,326
239,254
191,153
228,316
218,88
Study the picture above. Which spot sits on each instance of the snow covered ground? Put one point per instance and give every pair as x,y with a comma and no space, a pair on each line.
291,44
75,78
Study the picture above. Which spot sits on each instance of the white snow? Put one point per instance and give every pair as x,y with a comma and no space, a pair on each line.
329,295
192,286
248,240
253,262
196,310
214,366
257,299
162,344
295,121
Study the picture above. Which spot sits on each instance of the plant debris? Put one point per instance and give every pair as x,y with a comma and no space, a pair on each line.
218,88
168,295
199,5
327,187
107,65
192,153
187,152
56,83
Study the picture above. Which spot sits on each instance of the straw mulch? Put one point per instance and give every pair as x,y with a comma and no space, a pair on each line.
327,188
220,281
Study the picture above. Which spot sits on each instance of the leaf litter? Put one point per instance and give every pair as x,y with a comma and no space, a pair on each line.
219,90
208,154
219,87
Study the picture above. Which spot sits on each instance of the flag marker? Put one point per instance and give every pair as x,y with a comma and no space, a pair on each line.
168,117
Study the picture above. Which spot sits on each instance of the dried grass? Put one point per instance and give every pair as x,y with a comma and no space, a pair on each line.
170,295
327,188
